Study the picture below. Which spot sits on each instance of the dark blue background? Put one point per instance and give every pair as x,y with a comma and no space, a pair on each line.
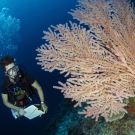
35,16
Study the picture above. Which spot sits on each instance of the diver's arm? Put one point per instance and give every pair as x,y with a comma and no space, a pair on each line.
11,106
39,90
41,96
8,104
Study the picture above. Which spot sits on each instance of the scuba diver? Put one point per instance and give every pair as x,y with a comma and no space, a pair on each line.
18,88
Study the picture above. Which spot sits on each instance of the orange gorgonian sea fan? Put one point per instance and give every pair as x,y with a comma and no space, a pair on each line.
100,60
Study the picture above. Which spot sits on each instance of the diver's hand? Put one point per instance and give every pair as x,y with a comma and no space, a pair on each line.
21,111
44,108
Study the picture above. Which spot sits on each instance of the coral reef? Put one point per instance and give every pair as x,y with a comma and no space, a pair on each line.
99,58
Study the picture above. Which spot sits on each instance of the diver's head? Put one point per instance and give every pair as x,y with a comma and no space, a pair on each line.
10,68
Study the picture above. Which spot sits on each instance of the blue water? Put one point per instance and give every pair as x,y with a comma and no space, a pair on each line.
35,16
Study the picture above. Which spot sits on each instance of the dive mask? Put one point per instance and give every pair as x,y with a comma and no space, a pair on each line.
13,70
